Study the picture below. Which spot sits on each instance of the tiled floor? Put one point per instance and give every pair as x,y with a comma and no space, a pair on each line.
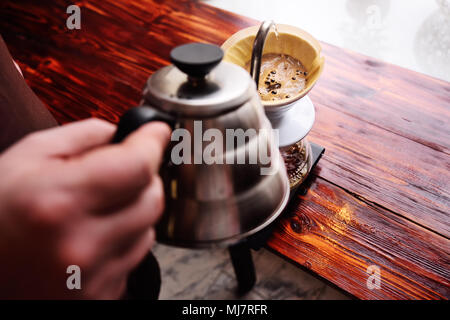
208,274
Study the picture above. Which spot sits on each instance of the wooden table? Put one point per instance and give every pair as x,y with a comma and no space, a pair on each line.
380,195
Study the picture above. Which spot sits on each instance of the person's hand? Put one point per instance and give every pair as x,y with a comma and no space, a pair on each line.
68,197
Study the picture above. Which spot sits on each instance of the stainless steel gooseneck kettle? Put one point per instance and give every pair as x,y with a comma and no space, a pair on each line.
212,198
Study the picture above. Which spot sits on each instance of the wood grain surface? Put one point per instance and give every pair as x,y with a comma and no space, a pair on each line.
380,195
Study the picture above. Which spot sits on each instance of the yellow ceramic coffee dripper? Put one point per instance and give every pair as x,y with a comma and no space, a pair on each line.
292,117
287,40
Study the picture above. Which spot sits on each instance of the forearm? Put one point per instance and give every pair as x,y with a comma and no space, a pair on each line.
21,111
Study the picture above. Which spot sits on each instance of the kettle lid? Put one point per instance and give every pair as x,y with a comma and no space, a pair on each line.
199,83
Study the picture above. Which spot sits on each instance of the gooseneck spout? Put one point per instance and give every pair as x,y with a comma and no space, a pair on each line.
258,47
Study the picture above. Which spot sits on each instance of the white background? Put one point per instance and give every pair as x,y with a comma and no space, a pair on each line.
414,34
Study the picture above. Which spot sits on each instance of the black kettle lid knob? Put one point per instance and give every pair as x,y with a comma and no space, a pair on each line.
196,59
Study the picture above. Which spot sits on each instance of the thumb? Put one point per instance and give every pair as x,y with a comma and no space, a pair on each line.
149,143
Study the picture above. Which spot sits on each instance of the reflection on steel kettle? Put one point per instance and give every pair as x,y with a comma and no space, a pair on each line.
206,100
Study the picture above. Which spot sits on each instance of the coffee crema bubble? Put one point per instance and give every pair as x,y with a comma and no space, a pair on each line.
281,77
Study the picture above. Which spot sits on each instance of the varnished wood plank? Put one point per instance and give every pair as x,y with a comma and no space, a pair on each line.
337,236
384,128
386,168
402,101
119,45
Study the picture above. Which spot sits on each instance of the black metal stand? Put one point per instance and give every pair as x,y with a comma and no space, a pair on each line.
244,269
144,282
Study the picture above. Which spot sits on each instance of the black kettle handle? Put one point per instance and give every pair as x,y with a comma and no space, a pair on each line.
143,282
136,117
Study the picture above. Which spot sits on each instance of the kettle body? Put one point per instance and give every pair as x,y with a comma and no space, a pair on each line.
224,178
222,200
